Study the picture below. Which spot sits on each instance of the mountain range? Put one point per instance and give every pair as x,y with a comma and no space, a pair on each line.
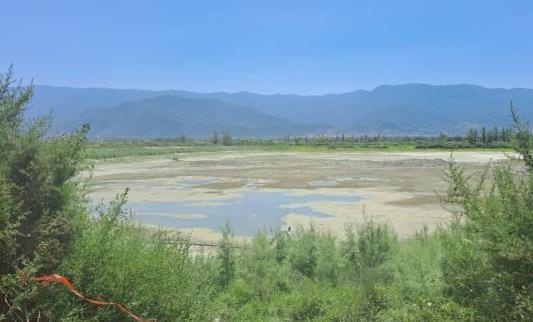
412,109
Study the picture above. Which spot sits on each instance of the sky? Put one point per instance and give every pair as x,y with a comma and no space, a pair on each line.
270,46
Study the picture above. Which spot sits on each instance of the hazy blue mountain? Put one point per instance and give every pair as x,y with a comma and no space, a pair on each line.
410,108
393,109
68,100
172,116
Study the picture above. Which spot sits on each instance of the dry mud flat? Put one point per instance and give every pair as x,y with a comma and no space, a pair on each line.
400,188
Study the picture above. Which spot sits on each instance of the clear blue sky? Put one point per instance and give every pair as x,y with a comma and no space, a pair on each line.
268,46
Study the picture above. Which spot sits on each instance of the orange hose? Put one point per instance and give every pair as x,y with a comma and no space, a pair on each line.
56,278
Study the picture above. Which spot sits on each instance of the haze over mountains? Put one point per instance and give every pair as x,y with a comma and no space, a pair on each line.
414,109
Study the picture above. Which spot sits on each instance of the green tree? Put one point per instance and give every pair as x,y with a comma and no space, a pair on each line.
472,137
483,135
489,252
523,139
40,196
226,257
443,138
226,138
375,244
303,252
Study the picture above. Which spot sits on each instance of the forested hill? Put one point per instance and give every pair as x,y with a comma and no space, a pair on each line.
388,109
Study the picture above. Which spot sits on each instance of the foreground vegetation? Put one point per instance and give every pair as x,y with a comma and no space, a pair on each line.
476,268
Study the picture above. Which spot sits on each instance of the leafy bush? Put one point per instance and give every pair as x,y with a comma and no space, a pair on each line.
226,257
303,252
41,195
327,260
375,244
489,255
153,273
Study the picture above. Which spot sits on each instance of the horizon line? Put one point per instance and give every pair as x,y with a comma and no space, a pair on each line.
278,93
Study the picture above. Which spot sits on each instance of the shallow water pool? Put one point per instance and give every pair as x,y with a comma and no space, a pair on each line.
251,210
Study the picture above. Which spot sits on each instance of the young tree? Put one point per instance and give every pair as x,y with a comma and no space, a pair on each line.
40,195
495,134
443,138
472,137
226,257
226,138
215,139
523,138
483,135
489,249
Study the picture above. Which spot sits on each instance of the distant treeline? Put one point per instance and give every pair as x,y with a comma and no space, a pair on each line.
475,138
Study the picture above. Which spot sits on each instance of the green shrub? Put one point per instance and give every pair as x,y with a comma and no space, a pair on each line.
226,257
489,256
260,269
153,273
303,252
369,246
327,260
375,244
307,303
41,195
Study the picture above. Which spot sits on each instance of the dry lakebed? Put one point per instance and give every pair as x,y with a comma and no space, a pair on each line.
198,192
